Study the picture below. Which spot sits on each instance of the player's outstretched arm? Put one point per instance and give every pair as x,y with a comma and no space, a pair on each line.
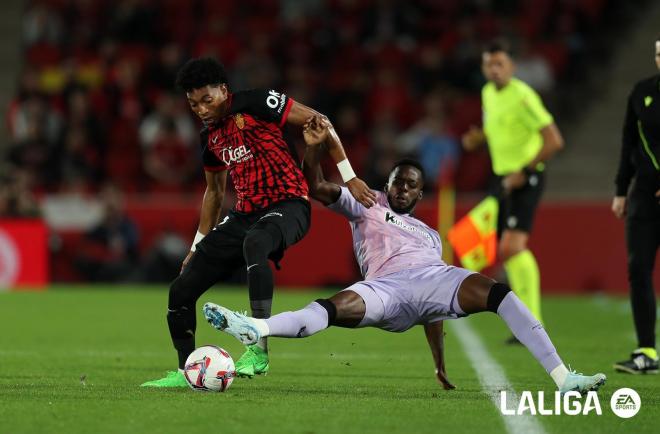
315,135
436,338
299,115
216,184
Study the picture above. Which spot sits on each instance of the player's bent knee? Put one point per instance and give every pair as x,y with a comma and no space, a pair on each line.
495,296
179,296
258,242
330,308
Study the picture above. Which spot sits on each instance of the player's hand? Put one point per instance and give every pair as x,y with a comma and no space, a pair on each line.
441,375
315,131
514,181
619,206
186,260
473,138
361,192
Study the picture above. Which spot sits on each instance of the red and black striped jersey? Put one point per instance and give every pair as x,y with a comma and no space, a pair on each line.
249,143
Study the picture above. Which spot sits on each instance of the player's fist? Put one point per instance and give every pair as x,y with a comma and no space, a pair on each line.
619,206
473,138
361,192
315,131
514,181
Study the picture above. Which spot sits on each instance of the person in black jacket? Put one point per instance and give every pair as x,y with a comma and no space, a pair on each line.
639,203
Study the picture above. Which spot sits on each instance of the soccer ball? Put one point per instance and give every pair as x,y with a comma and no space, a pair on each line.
209,368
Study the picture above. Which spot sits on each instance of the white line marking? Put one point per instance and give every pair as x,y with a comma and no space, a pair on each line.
492,379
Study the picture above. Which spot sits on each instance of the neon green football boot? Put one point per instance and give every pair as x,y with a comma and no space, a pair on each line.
172,379
253,362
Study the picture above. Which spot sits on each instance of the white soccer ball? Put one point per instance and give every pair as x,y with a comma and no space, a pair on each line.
209,368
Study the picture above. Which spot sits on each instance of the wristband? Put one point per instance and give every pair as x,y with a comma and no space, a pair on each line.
345,170
198,238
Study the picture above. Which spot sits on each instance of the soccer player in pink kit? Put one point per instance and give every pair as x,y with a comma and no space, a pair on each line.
405,280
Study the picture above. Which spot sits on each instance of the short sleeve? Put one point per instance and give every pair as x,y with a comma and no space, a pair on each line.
210,161
347,206
268,105
535,115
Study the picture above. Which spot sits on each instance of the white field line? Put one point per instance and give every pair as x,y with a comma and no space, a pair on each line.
492,379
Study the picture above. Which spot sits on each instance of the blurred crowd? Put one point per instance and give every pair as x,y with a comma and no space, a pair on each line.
95,100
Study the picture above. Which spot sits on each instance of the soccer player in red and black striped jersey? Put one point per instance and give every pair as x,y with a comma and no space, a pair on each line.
242,137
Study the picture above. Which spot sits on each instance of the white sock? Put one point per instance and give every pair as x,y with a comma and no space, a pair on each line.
559,375
262,326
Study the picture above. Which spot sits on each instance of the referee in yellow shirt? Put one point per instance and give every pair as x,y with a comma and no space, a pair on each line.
521,135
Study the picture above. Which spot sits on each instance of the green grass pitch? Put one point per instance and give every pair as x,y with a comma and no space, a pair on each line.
71,360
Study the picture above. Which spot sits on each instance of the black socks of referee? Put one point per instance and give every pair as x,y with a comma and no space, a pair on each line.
258,244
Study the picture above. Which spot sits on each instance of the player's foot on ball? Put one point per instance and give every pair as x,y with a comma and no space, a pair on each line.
172,379
236,324
639,363
253,362
582,383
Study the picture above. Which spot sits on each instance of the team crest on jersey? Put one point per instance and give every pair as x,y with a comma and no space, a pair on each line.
240,121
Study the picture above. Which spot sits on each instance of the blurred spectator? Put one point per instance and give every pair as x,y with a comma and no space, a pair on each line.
168,108
163,261
533,69
41,24
16,199
167,138
429,141
109,252
79,158
169,160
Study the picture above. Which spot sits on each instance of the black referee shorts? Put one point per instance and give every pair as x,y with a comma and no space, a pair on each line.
224,244
517,209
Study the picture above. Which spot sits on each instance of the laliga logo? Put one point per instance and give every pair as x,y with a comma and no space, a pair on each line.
625,403
9,262
569,403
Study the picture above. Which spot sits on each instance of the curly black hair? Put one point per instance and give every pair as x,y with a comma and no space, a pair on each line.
200,72
412,163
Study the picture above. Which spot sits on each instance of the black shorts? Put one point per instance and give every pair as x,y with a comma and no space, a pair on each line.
224,244
517,210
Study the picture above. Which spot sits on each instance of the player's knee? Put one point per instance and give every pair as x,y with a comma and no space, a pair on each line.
257,245
507,250
495,296
330,308
179,295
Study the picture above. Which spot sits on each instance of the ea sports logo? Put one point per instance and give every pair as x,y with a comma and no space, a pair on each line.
625,403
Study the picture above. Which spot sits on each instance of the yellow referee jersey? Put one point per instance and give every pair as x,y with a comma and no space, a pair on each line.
513,117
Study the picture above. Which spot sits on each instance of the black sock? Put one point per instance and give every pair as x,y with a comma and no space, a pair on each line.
182,323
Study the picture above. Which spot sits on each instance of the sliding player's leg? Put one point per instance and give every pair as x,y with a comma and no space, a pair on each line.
478,293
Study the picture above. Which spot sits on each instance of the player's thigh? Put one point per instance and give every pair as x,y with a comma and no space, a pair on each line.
223,246
288,221
360,306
